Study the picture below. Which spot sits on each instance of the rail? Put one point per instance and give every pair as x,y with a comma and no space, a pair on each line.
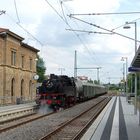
74,128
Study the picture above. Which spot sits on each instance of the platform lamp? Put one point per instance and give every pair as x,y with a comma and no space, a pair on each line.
128,27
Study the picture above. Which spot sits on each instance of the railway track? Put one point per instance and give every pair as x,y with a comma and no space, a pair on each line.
13,122
74,128
16,121
5,126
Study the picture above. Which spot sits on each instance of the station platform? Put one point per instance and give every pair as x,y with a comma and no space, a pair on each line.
116,122
13,107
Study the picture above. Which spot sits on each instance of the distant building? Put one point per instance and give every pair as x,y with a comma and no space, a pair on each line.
83,78
17,68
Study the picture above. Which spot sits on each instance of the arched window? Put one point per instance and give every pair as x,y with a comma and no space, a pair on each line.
12,87
22,88
30,89
12,90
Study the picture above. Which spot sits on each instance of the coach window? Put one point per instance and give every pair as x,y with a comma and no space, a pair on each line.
13,57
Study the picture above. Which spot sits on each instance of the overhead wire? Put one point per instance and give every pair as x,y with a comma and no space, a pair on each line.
19,24
98,32
103,28
111,31
90,52
77,35
63,18
94,54
25,30
93,14
89,32
16,11
61,4
42,44
56,11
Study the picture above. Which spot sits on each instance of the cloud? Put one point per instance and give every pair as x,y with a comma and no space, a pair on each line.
94,6
59,44
52,31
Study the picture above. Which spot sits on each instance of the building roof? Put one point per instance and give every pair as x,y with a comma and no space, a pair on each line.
136,60
29,47
4,31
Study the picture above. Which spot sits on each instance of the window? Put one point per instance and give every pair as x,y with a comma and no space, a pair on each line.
22,61
30,63
30,88
22,88
12,87
13,58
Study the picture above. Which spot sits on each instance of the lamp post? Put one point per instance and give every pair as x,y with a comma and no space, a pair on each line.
128,27
98,75
126,72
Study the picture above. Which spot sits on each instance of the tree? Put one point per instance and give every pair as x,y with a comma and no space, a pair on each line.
90,81
96,82
41,69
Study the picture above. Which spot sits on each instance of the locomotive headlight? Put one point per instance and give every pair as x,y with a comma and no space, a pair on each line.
54,98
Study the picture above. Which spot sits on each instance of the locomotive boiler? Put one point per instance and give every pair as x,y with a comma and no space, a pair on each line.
63,91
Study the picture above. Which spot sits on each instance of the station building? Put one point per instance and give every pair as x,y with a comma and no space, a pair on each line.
17,68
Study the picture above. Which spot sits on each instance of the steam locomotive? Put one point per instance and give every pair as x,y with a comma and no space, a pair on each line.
63,91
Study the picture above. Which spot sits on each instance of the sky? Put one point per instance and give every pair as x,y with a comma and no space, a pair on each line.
48,26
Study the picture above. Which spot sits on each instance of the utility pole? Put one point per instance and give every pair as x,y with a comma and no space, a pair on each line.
98,75
61,70
75,68
75,65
